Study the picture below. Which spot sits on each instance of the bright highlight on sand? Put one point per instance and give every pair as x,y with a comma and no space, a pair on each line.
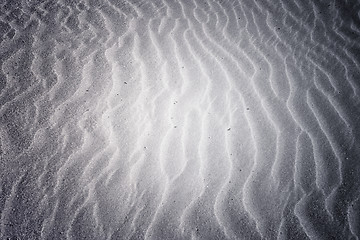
174,119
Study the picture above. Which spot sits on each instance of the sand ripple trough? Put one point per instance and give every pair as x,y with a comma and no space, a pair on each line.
179,119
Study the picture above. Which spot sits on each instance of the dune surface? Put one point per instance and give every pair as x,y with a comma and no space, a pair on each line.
179,119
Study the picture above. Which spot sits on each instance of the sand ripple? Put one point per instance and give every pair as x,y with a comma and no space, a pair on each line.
173,119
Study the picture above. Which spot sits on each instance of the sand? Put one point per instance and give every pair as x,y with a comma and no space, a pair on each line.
179,119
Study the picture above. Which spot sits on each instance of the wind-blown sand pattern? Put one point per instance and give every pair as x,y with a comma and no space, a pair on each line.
180,119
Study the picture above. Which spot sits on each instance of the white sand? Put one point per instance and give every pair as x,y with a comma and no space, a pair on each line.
179,120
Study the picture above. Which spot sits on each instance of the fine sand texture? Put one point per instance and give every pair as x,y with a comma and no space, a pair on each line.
179,119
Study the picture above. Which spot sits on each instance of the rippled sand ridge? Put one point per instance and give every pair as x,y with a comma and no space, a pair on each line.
179,119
